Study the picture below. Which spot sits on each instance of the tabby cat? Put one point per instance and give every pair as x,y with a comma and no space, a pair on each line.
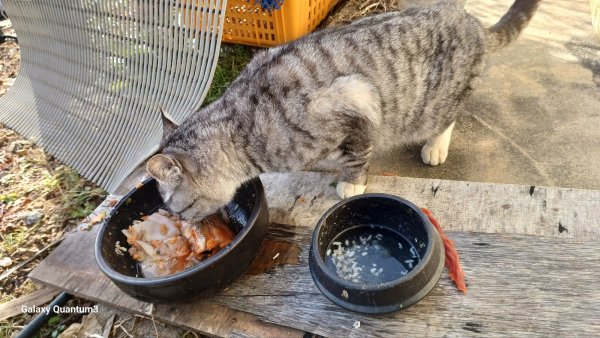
380,82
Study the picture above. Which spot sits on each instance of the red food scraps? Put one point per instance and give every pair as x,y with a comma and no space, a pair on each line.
452,260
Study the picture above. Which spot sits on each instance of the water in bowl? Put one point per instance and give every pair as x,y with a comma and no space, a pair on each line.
369,254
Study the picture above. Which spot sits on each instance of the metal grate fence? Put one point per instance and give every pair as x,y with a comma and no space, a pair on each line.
95,72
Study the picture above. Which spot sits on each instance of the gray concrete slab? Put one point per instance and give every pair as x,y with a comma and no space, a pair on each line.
535,117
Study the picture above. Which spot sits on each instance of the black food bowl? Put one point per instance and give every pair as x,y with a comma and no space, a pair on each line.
248,215
375,253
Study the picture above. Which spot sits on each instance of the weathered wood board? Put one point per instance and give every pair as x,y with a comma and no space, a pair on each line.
72,267
461,206
531,255
36,298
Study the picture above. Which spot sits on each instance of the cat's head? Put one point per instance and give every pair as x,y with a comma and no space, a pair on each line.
192,184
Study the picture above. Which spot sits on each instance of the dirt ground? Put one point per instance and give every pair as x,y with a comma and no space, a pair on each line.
40,201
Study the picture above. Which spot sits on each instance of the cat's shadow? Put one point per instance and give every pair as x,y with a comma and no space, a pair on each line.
587,51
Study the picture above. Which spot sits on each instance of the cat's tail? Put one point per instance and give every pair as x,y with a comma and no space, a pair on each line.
512,23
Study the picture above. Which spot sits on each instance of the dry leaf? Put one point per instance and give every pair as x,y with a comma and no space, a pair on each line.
99,218
89,327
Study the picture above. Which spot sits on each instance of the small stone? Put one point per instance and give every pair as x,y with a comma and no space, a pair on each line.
149,309
5,262
32,219
356,324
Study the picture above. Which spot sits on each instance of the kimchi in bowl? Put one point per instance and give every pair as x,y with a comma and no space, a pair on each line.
247,215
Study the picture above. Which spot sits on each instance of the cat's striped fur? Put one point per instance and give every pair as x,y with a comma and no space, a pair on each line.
382,81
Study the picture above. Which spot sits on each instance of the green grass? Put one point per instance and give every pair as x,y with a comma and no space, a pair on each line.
40,200
53,327
14,240
78,198
8,198
232,60
61,197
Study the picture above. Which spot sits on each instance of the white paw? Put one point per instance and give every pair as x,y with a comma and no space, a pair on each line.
436,149
434,154
347,189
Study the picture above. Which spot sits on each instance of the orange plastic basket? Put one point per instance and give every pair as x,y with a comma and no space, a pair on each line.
248,24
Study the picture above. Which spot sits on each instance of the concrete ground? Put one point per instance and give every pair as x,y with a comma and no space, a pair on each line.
535,117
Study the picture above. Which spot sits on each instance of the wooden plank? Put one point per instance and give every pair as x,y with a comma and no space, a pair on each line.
36,298
461,206
79,275
518,285
281,291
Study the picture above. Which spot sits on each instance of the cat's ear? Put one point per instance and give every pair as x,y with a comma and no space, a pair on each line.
165,169
167,123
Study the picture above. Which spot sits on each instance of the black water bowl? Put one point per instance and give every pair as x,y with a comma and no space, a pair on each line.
375,253
248,213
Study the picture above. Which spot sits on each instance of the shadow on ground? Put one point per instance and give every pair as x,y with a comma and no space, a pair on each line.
533,118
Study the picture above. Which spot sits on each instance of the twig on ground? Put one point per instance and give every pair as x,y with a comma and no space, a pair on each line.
154,324
368,8
108,326
151,318
192,333
29,260
120,325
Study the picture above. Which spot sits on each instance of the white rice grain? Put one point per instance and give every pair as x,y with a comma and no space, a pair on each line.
413,252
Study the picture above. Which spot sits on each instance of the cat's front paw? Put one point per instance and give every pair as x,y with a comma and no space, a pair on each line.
347,189
434,154
435,151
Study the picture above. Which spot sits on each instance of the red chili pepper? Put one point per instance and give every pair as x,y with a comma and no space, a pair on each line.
452,261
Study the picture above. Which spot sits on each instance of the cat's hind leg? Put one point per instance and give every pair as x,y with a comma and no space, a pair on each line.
435,151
